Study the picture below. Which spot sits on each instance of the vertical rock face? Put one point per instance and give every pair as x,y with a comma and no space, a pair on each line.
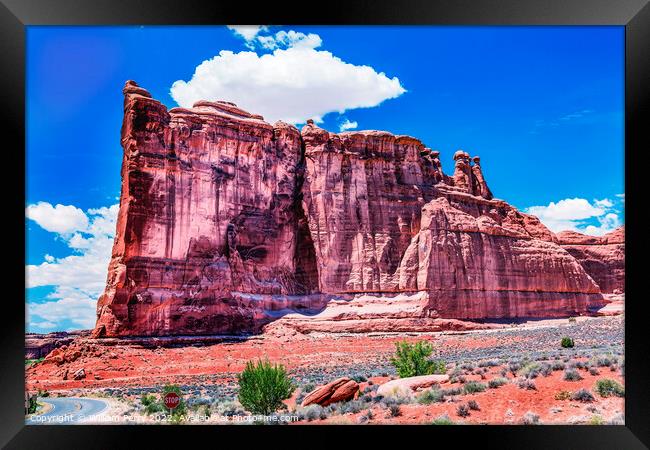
227,222
207,210
602,257
384,219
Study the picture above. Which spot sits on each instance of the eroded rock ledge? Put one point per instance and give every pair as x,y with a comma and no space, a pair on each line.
227,223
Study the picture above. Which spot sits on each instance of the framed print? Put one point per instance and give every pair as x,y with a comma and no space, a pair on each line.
373,222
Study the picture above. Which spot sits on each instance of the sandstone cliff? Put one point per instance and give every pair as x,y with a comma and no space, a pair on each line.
602,257
227,223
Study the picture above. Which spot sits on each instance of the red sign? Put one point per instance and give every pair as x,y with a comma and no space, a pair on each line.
172,400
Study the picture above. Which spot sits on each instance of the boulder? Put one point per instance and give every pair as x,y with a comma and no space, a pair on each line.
339,390
407,386
79,374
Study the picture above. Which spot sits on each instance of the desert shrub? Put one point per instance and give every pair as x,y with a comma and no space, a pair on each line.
359,378
462,410
395,410
572,320
558,365
353,406
451,391
582,395
607,388
567,342
497,382
429,396
151,404
546,369
473,387
514,366
530,418
618,419
42,393
207,412
604,360
443,420
33,404
489,363
572,375
410,360
593,371
468,367
473,405
461,379
147,399
530,370
525,383
311,412
263,386
230,408
563,395
596,419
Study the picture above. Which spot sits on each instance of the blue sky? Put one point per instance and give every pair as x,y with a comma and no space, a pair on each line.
542,106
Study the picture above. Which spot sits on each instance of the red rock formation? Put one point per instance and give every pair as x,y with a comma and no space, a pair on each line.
339,390
381,223
602,257
208,233
227,222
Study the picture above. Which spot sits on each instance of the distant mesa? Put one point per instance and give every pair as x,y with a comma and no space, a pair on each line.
228,223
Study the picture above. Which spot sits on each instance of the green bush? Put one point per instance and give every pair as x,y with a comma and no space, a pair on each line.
606,388
497,382
33,405
582,395
262,387
572,375
410,360
429,396
473,386
443,420
567,342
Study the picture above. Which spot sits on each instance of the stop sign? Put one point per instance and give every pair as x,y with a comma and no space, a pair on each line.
171,400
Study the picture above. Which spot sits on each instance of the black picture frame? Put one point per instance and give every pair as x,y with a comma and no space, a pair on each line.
633,14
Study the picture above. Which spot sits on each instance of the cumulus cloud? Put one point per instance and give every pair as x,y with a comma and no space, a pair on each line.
247,32
77,279
61,219
347,125
293,84
288,39
578,214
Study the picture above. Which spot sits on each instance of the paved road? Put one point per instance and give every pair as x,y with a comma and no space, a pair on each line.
68,410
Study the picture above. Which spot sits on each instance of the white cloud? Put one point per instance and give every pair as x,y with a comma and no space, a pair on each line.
622,197
607,223
347,125
61,219
288,39
248,32
78,279
45,324
293,84
575,214
567,209
604,203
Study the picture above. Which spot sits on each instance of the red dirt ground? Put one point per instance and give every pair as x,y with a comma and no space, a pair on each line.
136,366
